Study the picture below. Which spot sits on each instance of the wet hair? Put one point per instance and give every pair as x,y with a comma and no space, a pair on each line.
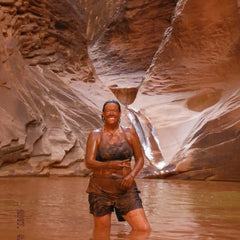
112,101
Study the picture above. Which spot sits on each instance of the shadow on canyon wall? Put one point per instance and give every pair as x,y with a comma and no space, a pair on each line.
174,65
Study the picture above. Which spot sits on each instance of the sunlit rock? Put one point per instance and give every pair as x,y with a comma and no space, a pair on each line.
45,121
191,92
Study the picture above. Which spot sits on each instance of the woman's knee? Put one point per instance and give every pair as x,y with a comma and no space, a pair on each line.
103,221
145,228
138,221
141,226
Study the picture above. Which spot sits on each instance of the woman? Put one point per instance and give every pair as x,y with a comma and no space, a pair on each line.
112,186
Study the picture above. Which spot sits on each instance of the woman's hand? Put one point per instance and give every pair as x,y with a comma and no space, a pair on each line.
127,181
119,164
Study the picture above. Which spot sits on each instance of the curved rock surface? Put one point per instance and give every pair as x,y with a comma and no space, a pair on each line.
44,121
173,64
191,93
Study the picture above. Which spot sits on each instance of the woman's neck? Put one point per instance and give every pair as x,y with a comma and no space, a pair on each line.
111,128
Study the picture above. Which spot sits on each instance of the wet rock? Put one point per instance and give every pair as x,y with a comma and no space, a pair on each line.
191,91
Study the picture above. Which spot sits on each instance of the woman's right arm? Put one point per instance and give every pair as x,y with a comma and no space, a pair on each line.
91,153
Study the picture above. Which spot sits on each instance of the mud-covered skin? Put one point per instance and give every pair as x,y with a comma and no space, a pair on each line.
105,192
108,181
114,147
108,154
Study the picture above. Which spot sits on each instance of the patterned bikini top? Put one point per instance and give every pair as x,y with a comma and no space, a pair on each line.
117,151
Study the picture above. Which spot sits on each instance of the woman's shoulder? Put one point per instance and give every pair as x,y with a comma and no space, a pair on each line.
128,128
95,133
129,131
131,135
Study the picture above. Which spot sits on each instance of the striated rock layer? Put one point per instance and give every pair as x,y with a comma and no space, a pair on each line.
186,109
191,92
124,51
174,65
45,122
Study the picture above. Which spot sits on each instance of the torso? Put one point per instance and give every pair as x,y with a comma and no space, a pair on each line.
113,147
109,148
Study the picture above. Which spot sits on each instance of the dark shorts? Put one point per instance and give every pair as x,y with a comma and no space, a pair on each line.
101,205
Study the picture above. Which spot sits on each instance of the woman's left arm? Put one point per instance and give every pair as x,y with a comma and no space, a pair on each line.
134,141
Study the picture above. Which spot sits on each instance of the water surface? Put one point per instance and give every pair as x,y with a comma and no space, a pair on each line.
57,208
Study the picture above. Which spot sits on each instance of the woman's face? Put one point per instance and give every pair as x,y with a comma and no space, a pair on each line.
111,113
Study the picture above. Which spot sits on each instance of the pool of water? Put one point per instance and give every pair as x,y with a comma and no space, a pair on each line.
57,209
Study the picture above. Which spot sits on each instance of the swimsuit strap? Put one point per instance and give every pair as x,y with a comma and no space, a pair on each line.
124,134
125,137
101,134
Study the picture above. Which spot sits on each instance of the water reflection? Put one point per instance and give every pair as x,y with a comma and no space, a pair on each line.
57,208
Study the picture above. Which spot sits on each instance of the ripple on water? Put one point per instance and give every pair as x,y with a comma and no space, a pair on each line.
57,208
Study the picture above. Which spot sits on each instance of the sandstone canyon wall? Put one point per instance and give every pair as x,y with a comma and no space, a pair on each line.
174,65
44,122
193,84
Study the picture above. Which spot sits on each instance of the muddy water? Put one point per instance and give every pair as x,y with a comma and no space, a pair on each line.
57,209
